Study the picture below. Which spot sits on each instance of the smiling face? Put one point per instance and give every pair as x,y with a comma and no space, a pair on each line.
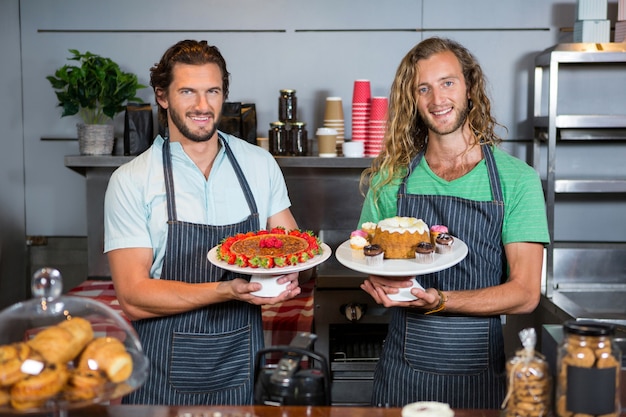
441,93
193,102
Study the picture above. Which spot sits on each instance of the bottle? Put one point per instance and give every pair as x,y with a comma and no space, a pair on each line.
287,106
298,139
278,140
588,370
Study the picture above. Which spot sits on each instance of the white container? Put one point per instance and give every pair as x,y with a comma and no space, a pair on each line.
621,10
620,31
591,9
595,31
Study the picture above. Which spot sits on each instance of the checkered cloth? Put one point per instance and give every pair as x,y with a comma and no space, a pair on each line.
281,321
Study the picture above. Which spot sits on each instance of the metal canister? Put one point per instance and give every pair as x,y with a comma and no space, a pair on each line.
278,139
588,370
298,139
287,106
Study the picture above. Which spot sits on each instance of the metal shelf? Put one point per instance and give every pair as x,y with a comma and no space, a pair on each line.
551,128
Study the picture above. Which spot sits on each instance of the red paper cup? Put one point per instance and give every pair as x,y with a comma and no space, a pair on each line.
361,92
378,109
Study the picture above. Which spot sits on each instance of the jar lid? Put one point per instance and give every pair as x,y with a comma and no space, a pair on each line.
277,124
288,91
298,124
588,328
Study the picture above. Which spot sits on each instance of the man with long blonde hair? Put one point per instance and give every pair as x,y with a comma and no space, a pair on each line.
441,163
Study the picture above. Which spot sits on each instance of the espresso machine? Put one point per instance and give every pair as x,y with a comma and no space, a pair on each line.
293,380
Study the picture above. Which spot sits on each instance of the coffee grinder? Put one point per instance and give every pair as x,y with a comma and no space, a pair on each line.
290,382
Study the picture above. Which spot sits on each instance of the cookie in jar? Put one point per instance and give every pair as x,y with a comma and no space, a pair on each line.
588,370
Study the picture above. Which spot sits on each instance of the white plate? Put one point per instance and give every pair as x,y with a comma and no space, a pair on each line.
316,260
402,267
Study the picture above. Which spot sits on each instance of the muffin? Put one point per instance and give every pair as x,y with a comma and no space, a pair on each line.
425,253
444,243
435,230
370,229
358,240
373,255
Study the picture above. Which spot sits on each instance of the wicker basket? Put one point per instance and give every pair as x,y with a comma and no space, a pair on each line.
95,139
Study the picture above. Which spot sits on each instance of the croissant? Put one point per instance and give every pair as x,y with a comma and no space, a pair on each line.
63,342
108,355
34,390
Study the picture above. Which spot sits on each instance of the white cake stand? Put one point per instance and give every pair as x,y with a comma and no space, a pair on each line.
403,267
268,277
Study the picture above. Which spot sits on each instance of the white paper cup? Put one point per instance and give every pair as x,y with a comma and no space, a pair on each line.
353,149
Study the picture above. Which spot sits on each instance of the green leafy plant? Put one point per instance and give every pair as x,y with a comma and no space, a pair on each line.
97,89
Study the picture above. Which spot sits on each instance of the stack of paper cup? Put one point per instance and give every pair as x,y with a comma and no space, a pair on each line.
334,119
361,105
377,126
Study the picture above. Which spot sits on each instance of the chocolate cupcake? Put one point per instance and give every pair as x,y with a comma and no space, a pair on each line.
374,255
425,253
444,243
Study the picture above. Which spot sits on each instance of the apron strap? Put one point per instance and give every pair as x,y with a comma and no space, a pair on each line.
169,179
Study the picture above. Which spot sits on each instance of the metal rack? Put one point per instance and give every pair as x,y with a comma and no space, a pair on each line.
553,127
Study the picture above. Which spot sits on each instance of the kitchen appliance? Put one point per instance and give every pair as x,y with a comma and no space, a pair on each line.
292,381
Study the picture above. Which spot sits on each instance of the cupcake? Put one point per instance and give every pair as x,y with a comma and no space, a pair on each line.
435,230
358,240
373,255
369,228
425,253
444,243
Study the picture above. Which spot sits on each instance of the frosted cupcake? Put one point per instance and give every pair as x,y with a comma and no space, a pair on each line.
369,228
444,243
425,253
374,255
358,240
435,230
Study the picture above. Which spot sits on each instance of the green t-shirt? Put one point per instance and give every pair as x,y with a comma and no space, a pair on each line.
524,204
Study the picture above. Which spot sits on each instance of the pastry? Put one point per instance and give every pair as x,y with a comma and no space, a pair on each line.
11,359
444,243
373,255
109,356
34,390
358,241
435,230
425,253
84,385
369,228
269,249
399,236
63,342
427,409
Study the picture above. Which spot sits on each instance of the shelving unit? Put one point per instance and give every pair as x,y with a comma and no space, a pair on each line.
553,128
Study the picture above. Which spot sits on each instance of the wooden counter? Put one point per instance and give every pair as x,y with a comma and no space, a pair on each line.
253,411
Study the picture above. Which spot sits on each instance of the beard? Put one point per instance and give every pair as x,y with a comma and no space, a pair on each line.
461,117
201,136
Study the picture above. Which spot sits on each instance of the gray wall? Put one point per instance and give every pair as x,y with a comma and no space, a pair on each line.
316,47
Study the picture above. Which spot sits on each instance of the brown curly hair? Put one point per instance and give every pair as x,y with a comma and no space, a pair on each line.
406,133
186,52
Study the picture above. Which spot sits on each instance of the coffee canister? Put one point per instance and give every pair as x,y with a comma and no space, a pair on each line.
287,106
278,139
298,139
588,370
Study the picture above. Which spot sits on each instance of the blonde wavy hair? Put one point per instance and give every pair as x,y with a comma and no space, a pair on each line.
406,133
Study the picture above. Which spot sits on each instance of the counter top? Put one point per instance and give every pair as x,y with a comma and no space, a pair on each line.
253,411
80,163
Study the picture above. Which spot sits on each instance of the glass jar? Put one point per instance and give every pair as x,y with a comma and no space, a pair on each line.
287,106
298,139
588,370
278,140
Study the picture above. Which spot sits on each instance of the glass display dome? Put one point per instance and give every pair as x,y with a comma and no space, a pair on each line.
62,352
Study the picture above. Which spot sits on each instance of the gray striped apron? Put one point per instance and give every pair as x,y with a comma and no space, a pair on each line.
442,357
204,356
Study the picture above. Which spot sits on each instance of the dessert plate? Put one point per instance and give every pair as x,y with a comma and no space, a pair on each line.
267,277
402,267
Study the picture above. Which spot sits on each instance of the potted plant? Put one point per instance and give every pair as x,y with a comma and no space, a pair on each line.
97,89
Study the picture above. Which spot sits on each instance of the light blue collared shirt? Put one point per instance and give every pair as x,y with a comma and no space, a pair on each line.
135,206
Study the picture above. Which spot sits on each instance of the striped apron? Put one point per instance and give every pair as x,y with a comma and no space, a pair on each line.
442,357
204,356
